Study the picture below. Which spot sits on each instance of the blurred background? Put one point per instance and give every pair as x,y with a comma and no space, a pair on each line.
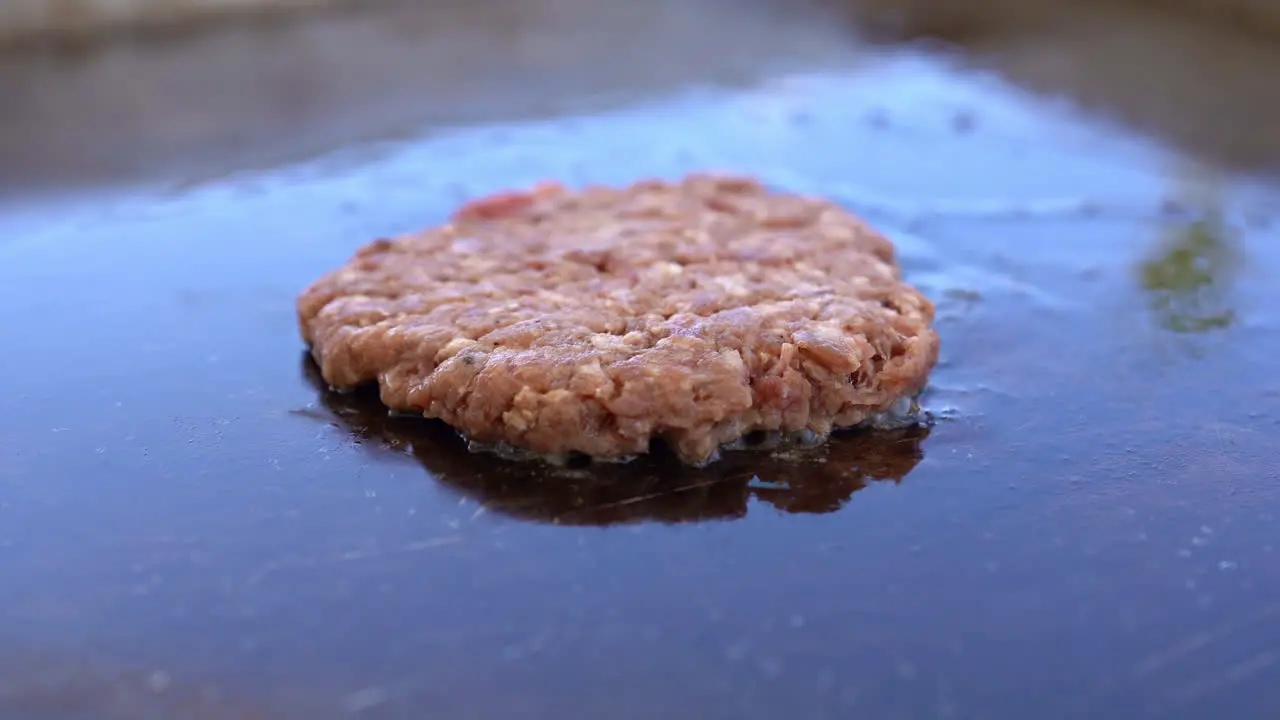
178,90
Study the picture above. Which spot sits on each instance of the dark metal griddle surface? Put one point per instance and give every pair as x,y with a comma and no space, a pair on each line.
190,527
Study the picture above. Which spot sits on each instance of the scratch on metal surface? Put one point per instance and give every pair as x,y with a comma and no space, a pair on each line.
651,496
417,546
1173,653
1217,682
1184,648
349,556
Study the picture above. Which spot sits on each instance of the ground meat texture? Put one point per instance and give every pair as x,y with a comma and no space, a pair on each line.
597,320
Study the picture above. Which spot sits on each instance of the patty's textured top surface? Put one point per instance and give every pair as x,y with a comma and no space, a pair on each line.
597,320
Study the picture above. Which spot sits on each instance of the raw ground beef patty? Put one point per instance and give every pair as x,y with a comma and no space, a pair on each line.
555,320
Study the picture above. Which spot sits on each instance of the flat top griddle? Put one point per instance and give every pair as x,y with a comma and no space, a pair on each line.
191,526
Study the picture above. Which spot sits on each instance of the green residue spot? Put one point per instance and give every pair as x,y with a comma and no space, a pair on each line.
1188,282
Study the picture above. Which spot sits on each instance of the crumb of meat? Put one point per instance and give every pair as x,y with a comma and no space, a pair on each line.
596,321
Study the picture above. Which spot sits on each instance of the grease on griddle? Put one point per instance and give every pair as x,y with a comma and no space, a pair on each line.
654,488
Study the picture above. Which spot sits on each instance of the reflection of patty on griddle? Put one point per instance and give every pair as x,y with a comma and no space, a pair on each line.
650,489
598,321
